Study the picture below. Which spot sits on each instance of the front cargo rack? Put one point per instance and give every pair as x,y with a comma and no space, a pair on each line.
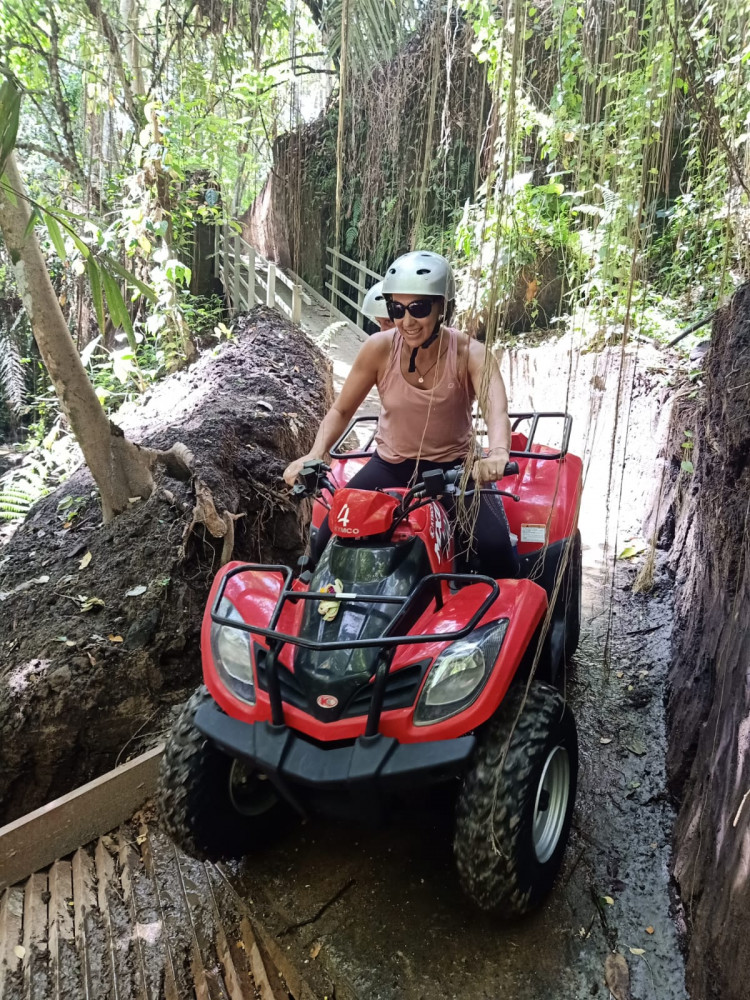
412,607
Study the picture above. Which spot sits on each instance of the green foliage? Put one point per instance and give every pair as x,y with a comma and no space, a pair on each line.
377,29
21,488
636,116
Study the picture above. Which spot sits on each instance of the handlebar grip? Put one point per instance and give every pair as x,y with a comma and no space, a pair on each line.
511,469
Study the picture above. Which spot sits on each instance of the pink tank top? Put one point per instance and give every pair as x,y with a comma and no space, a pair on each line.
432,424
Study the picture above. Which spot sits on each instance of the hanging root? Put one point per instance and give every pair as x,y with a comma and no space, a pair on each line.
179,462
644,582
218,525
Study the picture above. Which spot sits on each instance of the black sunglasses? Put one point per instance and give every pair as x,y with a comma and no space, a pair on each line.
419,309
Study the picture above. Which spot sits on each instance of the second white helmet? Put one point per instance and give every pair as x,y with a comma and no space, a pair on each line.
420,272
374,305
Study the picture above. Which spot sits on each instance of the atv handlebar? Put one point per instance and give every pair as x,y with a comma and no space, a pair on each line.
435,483
314,479
439,482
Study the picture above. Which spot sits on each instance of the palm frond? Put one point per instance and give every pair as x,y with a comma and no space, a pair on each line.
12,374
377,29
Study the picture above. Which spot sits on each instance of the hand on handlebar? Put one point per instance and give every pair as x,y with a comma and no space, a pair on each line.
489,470
292,471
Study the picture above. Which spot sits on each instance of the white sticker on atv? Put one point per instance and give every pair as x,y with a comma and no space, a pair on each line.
534,533
343,517
439,530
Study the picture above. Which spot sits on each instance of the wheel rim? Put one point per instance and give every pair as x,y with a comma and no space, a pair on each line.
251,793
551,805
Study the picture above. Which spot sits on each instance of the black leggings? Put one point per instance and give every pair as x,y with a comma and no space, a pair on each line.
489,541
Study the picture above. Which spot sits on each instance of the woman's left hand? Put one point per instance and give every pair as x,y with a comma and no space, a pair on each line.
487,470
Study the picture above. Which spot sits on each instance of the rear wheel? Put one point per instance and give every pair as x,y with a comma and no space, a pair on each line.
211,805
573,597
515,807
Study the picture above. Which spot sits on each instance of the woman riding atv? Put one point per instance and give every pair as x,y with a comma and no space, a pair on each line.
427,375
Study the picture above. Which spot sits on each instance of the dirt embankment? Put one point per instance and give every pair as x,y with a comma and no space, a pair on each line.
99,625
706,521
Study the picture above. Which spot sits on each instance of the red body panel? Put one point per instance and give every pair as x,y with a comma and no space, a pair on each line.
254,595
359,513
546,513
549,490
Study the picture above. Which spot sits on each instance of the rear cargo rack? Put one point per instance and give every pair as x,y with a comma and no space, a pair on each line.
535,416
411,609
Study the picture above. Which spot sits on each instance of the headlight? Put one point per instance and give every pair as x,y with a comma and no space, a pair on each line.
459,673
231,652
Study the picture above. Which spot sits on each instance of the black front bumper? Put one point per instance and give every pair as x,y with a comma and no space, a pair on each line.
373,765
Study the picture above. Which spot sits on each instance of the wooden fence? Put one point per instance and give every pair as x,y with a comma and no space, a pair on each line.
249,279
357,287
243,272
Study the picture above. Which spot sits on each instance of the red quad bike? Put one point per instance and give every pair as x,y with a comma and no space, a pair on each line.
388,668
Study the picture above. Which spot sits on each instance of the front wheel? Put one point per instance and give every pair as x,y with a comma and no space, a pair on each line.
211,805
515,807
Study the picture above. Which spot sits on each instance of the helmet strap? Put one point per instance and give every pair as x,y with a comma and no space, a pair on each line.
430,340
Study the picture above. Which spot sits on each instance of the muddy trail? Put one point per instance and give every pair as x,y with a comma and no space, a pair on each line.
99,625
378,914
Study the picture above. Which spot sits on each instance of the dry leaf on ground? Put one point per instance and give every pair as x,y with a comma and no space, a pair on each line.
617,976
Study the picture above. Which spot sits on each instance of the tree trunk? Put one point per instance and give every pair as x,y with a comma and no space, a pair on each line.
120,468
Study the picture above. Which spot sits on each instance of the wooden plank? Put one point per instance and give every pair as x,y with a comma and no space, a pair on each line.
36,952
280,276
64,962
342,296
146,921
160,859
86,919
296,304
205,966
361,291
119,939
236,298
281,306
349,281
236,973
271,286
356,263
251,278
39,838
11,931
217,251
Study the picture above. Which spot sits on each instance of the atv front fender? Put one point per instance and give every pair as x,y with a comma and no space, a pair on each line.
370,766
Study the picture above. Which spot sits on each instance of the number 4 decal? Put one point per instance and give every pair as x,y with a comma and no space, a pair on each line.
343,517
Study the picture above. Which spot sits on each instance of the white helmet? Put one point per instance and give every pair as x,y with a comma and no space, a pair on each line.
374,306
420,272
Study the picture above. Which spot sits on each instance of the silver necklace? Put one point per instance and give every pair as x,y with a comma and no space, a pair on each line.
421,375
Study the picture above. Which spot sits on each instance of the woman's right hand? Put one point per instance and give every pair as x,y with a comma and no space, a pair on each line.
294,468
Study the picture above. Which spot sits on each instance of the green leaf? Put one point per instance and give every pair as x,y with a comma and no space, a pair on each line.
10,110
126,275
118,311
81,246
687,466
10,194
30,224
56,236
96,292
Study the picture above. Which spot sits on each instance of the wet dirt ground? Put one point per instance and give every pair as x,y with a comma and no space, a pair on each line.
378,914
382,912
